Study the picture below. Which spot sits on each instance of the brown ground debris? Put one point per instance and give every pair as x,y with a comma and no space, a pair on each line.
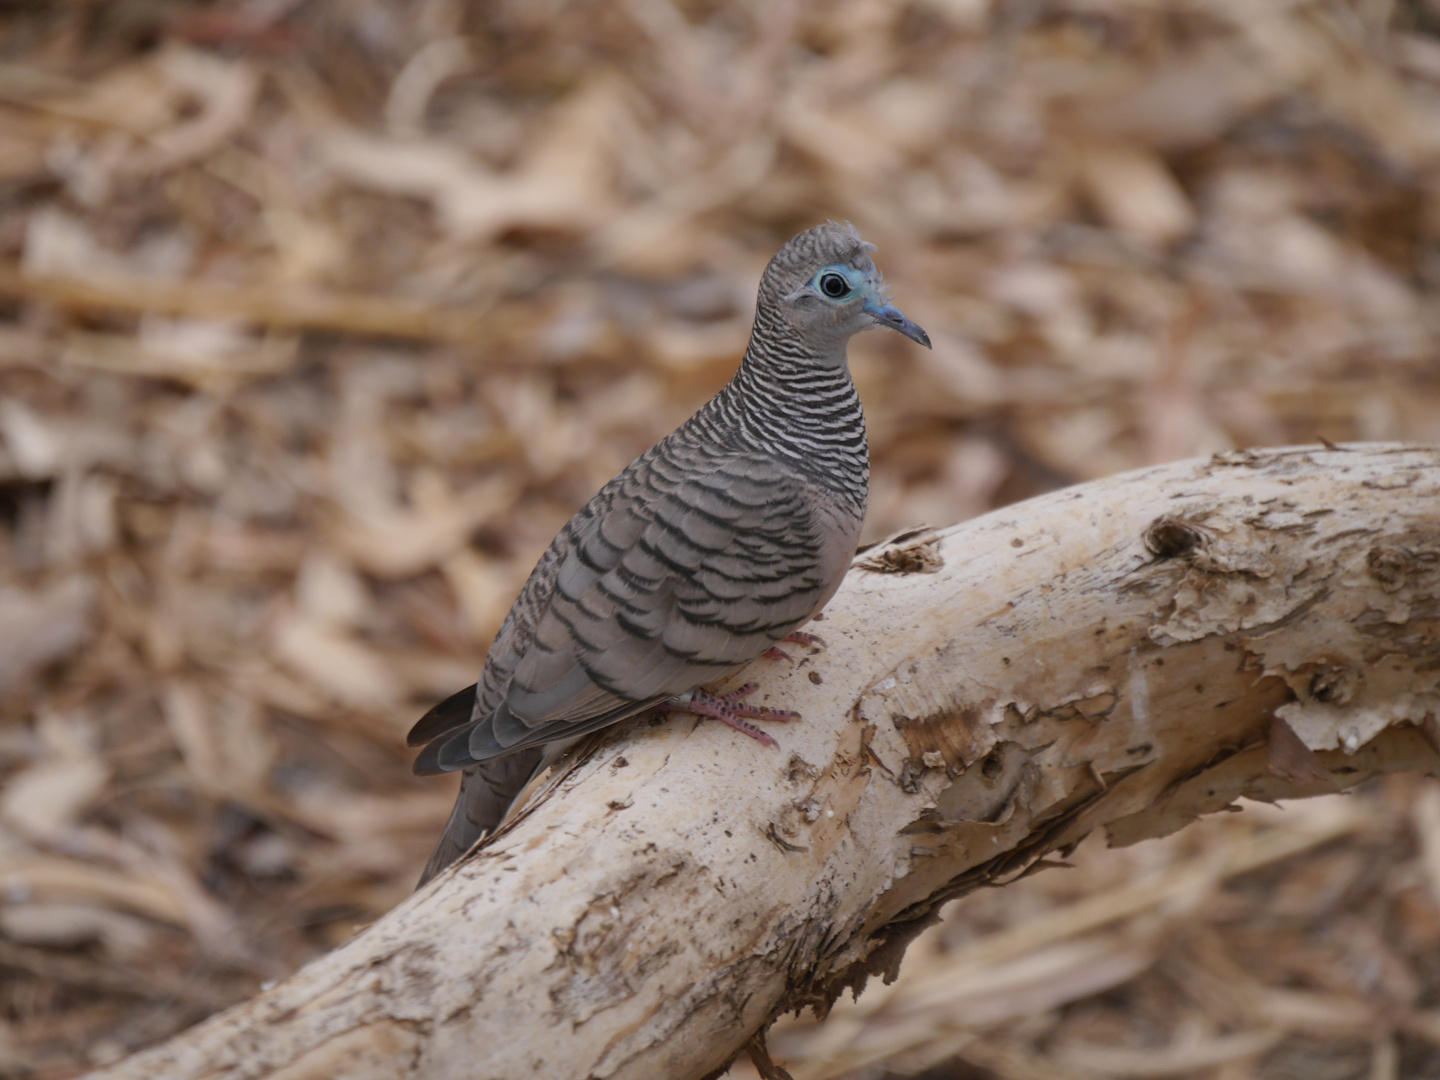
319,317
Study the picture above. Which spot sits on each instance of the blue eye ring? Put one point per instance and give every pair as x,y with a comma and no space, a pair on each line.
833,285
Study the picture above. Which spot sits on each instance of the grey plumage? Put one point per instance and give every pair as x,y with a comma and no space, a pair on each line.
710,548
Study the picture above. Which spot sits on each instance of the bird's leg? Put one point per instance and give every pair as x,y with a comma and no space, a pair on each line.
729,710
796,638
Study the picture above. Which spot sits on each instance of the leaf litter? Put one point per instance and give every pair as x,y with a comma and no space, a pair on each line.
318,320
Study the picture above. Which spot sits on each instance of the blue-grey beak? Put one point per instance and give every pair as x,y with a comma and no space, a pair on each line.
887,314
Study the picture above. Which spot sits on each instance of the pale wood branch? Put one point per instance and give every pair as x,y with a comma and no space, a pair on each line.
1127,655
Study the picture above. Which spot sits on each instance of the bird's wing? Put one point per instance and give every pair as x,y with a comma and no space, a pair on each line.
656,595
590,543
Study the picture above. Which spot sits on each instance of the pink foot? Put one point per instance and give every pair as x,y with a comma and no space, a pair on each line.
755,712
796,638
729,710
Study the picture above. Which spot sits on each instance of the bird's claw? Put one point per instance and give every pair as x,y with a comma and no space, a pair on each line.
797,638
806,640
756,712
747,728
730,710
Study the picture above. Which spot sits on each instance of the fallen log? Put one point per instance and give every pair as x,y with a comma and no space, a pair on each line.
1127,654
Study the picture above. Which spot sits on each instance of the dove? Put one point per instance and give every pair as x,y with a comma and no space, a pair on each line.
709,550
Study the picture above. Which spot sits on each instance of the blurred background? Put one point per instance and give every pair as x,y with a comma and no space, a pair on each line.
319,317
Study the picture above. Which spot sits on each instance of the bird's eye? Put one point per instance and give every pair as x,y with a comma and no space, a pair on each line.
834,285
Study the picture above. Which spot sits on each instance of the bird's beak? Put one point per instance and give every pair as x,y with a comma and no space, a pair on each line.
887,314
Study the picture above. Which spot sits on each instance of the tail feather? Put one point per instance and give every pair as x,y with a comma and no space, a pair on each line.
486,792
454,712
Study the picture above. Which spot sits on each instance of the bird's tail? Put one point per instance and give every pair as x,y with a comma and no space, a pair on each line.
486,792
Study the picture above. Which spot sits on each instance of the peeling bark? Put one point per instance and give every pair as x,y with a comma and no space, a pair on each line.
1127,655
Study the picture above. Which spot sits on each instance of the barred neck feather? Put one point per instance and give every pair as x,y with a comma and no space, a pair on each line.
800,407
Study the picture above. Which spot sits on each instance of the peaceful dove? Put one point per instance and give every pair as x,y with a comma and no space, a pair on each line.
712,547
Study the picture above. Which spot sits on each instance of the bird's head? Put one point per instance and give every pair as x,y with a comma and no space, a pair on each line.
824,285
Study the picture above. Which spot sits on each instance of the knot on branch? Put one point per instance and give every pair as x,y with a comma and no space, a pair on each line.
1170,537
1390,566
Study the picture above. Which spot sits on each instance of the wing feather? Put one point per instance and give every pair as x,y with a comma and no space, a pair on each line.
670,578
